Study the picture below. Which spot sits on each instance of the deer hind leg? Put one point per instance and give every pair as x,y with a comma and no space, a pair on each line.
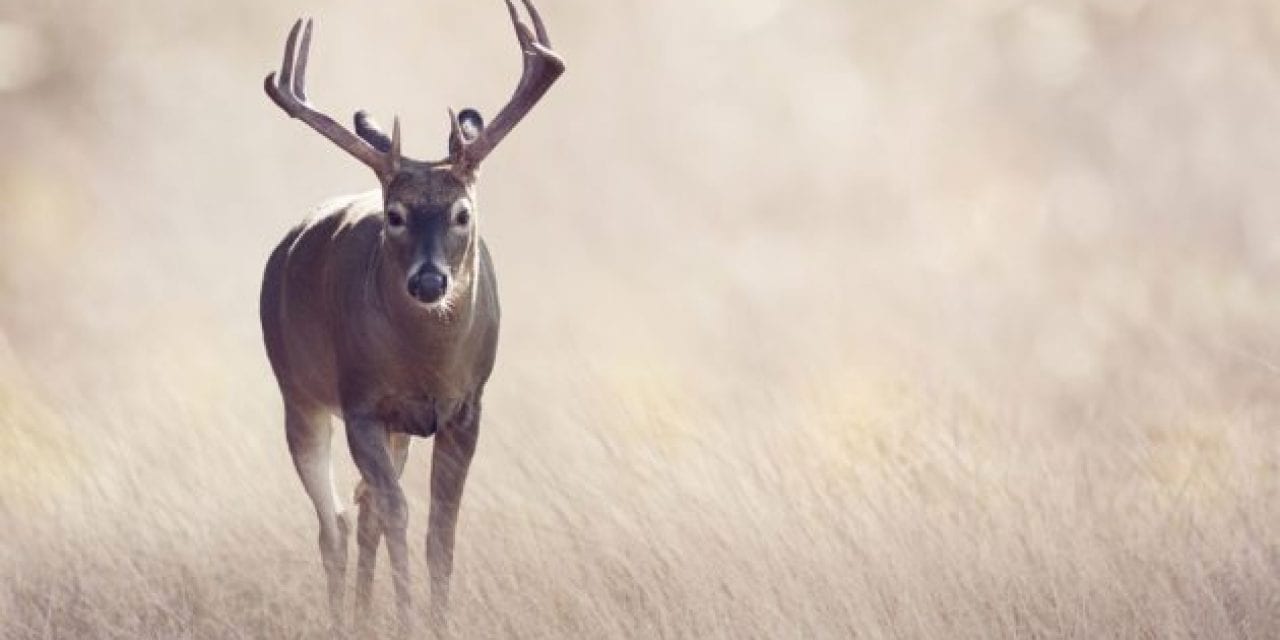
369,530
450,460
368,441
309,434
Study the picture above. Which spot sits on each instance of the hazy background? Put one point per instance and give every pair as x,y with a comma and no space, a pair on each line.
821,317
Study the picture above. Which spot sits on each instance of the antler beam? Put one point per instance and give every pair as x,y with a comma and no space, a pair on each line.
542,67
289,92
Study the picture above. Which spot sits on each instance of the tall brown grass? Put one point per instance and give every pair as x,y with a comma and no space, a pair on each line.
823,318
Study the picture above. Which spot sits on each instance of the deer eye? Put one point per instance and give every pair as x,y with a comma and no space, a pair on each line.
395,219
463,217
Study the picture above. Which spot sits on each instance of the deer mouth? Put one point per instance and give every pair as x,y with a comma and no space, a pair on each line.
436,303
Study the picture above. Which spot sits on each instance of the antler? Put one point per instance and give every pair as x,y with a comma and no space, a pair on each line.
289,92
542,67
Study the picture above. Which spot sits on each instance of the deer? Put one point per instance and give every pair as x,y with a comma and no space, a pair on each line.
382,310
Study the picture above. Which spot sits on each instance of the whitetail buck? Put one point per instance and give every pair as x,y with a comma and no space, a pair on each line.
383,310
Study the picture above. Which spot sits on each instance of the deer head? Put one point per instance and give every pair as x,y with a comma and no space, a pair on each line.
429,207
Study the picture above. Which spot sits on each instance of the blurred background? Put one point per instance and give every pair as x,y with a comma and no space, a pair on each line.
907,319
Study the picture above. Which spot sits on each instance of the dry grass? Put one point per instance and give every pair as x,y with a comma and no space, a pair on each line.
823,318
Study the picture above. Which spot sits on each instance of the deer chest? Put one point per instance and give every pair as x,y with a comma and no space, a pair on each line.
421,415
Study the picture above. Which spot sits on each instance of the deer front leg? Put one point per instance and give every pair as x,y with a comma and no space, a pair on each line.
367,439
309,432
450,460
369,531
368,536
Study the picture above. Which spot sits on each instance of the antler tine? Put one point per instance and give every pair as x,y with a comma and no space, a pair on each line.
521,36
290,46
288,91
393,156
300,71
540,28
542,67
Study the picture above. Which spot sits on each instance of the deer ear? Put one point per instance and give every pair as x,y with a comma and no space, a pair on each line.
466,127
370,132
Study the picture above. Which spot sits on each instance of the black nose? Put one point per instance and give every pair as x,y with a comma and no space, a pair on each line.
428,285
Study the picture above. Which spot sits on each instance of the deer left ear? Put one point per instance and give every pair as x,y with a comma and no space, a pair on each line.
466,127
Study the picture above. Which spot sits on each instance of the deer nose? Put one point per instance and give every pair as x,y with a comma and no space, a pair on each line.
428,285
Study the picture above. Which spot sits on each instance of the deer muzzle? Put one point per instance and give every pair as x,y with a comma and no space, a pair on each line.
428,284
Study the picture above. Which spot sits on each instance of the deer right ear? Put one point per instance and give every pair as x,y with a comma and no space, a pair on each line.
369,130
466,127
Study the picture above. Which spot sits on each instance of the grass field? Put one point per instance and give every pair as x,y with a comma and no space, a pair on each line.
822,318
